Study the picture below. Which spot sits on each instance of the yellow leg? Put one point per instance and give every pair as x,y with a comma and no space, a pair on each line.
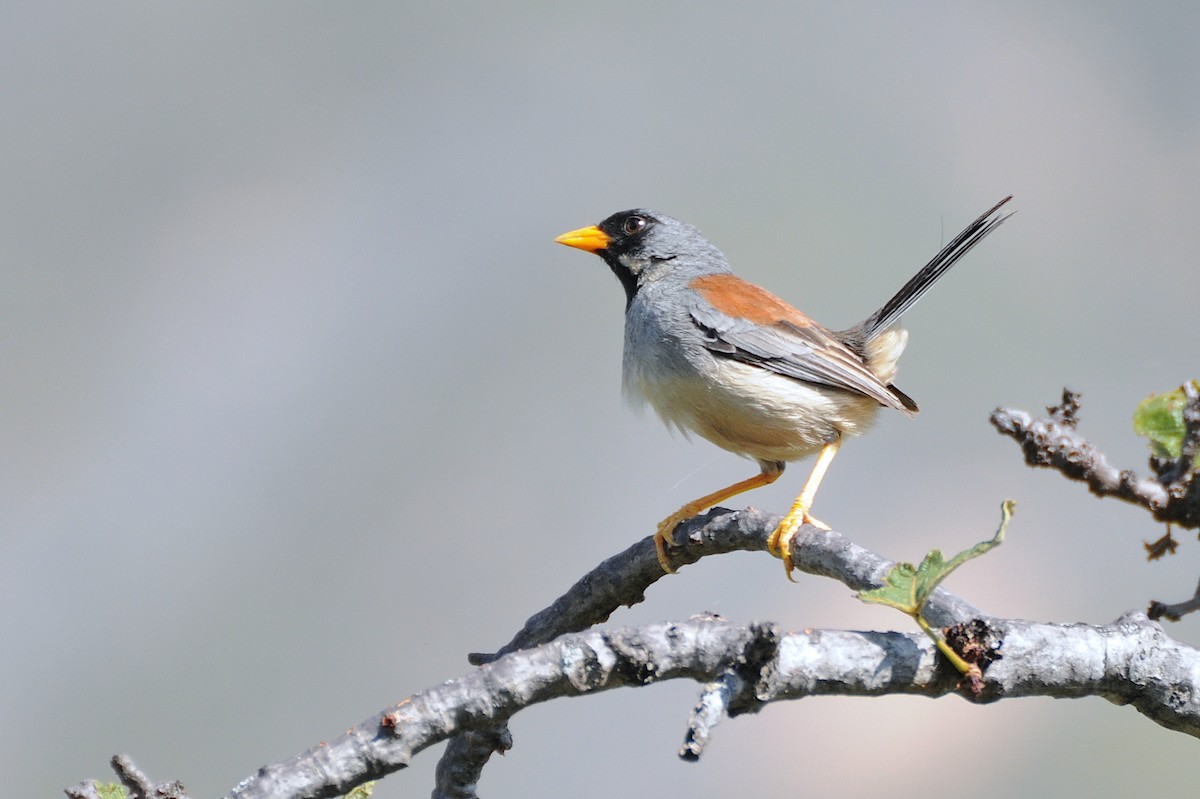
665,537
780,542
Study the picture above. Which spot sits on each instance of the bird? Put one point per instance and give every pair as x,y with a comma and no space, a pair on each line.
721,357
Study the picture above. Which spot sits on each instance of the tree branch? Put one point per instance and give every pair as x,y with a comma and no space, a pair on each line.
1131,661
1052,442
137,784
1176,610
1172,496
713,707
623,580
742,667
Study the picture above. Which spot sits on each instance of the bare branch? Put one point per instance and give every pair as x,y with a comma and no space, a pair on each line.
624,578
620,580
1053,442
1172,497
135,781
463,761
84,790
1129,662
1174,611
709,712
744,667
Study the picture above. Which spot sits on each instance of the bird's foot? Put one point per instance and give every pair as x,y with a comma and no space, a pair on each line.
779,543
664,538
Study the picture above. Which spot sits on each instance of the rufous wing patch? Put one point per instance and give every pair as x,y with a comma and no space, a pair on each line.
740,299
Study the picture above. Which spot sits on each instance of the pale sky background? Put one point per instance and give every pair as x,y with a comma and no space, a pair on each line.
301,402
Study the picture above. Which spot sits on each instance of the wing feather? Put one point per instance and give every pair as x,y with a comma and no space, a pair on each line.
794,347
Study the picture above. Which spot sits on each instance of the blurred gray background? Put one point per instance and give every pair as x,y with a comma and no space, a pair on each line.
301,402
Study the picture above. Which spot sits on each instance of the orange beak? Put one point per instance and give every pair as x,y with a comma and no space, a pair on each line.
590,239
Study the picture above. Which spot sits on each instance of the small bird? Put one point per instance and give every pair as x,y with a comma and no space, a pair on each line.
716,355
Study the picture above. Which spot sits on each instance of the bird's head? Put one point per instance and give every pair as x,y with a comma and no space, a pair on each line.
641,246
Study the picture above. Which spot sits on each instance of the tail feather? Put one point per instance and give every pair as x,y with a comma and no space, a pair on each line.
904,299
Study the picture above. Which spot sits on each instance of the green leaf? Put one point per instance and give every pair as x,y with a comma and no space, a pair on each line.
1159,418
899,590
111,790
361,791
907,587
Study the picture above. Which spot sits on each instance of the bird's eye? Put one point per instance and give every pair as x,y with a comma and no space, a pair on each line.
633,224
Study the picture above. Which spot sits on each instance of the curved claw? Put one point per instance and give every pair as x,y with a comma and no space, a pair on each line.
779,543
664,538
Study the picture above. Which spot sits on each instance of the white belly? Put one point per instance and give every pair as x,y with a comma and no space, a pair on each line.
752,411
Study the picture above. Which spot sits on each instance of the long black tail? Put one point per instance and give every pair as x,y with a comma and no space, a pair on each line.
894,308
